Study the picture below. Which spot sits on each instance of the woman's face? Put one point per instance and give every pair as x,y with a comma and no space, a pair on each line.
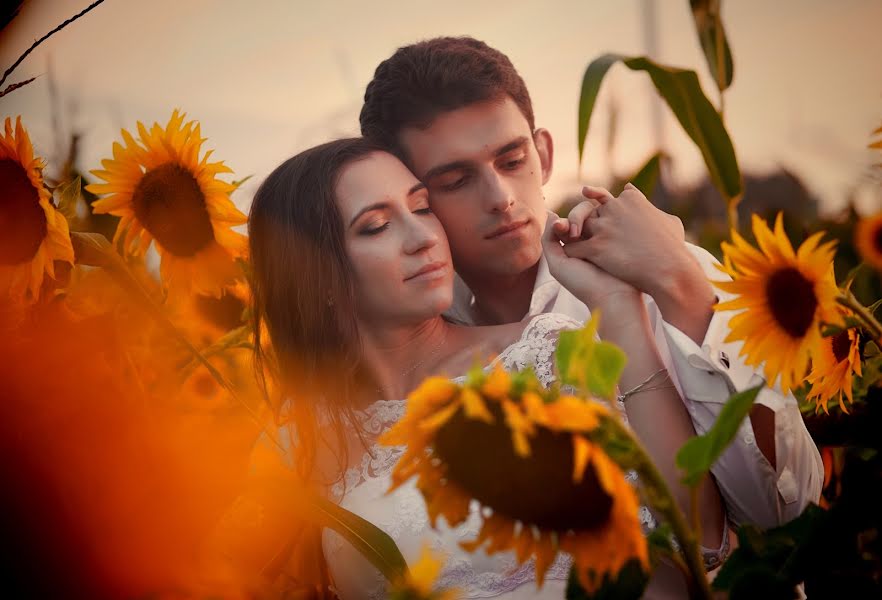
397,248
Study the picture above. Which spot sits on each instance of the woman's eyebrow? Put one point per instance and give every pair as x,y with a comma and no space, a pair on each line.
417,187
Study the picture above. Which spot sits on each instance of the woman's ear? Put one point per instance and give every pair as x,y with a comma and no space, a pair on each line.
545,148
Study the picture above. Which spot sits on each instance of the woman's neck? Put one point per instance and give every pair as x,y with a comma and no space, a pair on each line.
402,356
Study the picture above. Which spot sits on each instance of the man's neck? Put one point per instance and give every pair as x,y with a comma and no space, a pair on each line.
502,298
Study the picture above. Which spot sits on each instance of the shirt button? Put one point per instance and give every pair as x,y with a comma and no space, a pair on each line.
749,438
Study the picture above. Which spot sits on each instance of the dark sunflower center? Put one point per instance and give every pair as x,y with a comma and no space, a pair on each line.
841,346
224,312
792,301
877,239
170,205
536,490
22,219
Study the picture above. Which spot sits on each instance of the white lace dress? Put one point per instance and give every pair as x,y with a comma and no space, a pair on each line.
402,513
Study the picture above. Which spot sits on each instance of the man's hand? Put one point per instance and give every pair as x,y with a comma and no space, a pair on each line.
589,283
643,246
628,237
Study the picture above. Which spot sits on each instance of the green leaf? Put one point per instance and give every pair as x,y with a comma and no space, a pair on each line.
646,178
698,455
68,197
605,368
871,349
659,541
781,549
371,541
240,337
629,583
587,364
523,381
93,250
682,92
238,183
852,275
712,37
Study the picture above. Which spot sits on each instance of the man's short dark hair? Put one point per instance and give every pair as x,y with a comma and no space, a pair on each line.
423,80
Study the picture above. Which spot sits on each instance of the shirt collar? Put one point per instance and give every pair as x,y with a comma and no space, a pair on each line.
545,290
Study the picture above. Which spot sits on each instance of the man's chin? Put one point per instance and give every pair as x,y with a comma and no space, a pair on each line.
511,265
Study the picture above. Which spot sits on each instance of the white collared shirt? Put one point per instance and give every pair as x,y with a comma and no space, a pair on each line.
754,491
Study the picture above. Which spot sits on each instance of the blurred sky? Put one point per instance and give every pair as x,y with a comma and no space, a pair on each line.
271,77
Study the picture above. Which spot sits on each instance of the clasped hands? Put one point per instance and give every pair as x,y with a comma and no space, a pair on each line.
610,249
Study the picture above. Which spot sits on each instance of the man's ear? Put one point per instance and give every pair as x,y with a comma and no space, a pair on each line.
545,147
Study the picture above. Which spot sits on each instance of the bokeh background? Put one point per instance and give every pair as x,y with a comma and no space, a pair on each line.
117,486
267,79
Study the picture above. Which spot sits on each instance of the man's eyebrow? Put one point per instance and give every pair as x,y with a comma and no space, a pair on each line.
463,164
512,145
446,168
374,206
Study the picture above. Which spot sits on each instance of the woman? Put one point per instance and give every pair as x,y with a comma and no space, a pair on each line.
352,273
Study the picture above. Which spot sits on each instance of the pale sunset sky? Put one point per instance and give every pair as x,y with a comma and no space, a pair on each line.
271,77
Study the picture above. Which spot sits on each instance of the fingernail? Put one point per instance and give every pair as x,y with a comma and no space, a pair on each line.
574,230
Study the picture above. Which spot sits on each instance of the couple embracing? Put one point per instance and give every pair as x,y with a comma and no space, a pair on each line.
409,252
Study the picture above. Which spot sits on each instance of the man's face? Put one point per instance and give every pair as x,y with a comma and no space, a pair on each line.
485,169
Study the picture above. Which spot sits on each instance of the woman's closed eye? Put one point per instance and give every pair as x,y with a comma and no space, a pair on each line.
374,228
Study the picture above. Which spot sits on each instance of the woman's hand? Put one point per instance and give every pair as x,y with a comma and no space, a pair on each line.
585,280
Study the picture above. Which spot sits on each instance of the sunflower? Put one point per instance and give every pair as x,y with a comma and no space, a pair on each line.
833,368
419,582
552,488
786,295
32,233
868,239
163,191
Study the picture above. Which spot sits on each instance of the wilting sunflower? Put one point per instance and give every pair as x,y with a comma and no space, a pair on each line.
525,455
786,295
163,191
868,239
833,368
419,583
32,233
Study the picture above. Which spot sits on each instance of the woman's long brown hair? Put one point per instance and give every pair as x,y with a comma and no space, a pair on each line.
301,284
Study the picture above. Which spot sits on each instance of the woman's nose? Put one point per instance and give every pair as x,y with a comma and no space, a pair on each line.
420,236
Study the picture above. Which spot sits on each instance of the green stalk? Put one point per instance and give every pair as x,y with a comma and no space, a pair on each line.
663,502
848,300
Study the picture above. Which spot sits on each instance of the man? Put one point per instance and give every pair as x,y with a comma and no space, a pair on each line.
460,116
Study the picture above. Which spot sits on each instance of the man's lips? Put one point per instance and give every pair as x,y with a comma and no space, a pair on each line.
428,270
506,229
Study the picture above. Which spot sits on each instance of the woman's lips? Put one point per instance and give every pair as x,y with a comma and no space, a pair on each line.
430,271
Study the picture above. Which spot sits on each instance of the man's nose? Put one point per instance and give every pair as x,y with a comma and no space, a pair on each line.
498,195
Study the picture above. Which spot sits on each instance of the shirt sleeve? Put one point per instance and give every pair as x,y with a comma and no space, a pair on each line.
754,491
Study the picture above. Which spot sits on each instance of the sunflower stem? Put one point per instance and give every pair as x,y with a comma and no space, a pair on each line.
848,300
663,502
